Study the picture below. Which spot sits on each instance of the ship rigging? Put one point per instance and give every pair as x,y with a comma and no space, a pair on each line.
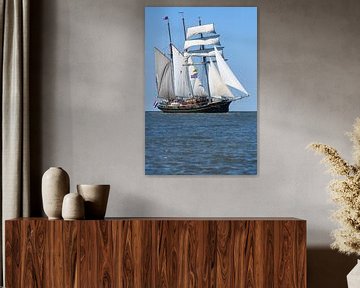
188,85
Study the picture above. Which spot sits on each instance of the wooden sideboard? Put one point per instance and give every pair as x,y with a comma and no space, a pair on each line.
156,252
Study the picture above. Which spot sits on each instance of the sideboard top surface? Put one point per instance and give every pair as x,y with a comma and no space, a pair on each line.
175,219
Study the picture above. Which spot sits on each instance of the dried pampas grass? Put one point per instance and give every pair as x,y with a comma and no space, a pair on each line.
345,191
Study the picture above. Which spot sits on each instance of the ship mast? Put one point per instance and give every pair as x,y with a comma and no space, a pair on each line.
168,25
204,60
188,80
183,22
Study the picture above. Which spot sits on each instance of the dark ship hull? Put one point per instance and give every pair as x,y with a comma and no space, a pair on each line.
213,107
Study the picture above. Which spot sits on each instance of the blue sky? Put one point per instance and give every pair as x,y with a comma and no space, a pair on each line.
237,27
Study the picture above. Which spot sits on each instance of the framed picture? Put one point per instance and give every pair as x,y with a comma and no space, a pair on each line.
201,91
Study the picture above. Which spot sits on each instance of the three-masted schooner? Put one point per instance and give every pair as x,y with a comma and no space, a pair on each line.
188,85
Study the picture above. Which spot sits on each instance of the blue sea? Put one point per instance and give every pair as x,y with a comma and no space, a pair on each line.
201,143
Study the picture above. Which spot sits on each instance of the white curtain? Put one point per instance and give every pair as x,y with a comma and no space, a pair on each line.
14,25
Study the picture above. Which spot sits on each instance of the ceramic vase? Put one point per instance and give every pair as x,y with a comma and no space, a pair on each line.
353,278
96,198
73,207
55,185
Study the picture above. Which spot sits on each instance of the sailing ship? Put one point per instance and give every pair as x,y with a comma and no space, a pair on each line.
196,79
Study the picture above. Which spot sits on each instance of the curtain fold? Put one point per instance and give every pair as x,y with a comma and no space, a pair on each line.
15,162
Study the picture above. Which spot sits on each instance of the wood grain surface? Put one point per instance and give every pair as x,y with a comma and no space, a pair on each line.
160,252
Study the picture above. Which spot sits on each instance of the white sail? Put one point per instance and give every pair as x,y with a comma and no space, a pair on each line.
193,72
163,74
216,84
227,75
181,74
199,53
205,50
207,28
198,88
215,40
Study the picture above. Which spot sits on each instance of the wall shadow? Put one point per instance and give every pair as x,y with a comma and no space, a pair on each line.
327,268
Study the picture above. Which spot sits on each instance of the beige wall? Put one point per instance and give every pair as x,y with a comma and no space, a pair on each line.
87,89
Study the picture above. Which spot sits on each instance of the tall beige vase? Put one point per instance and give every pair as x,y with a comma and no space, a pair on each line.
96,198
55,185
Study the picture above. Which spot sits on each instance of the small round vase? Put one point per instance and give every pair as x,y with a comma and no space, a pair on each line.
73,207
55,185
96,198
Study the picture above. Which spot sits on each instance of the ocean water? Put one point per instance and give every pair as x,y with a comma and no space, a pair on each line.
201,143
